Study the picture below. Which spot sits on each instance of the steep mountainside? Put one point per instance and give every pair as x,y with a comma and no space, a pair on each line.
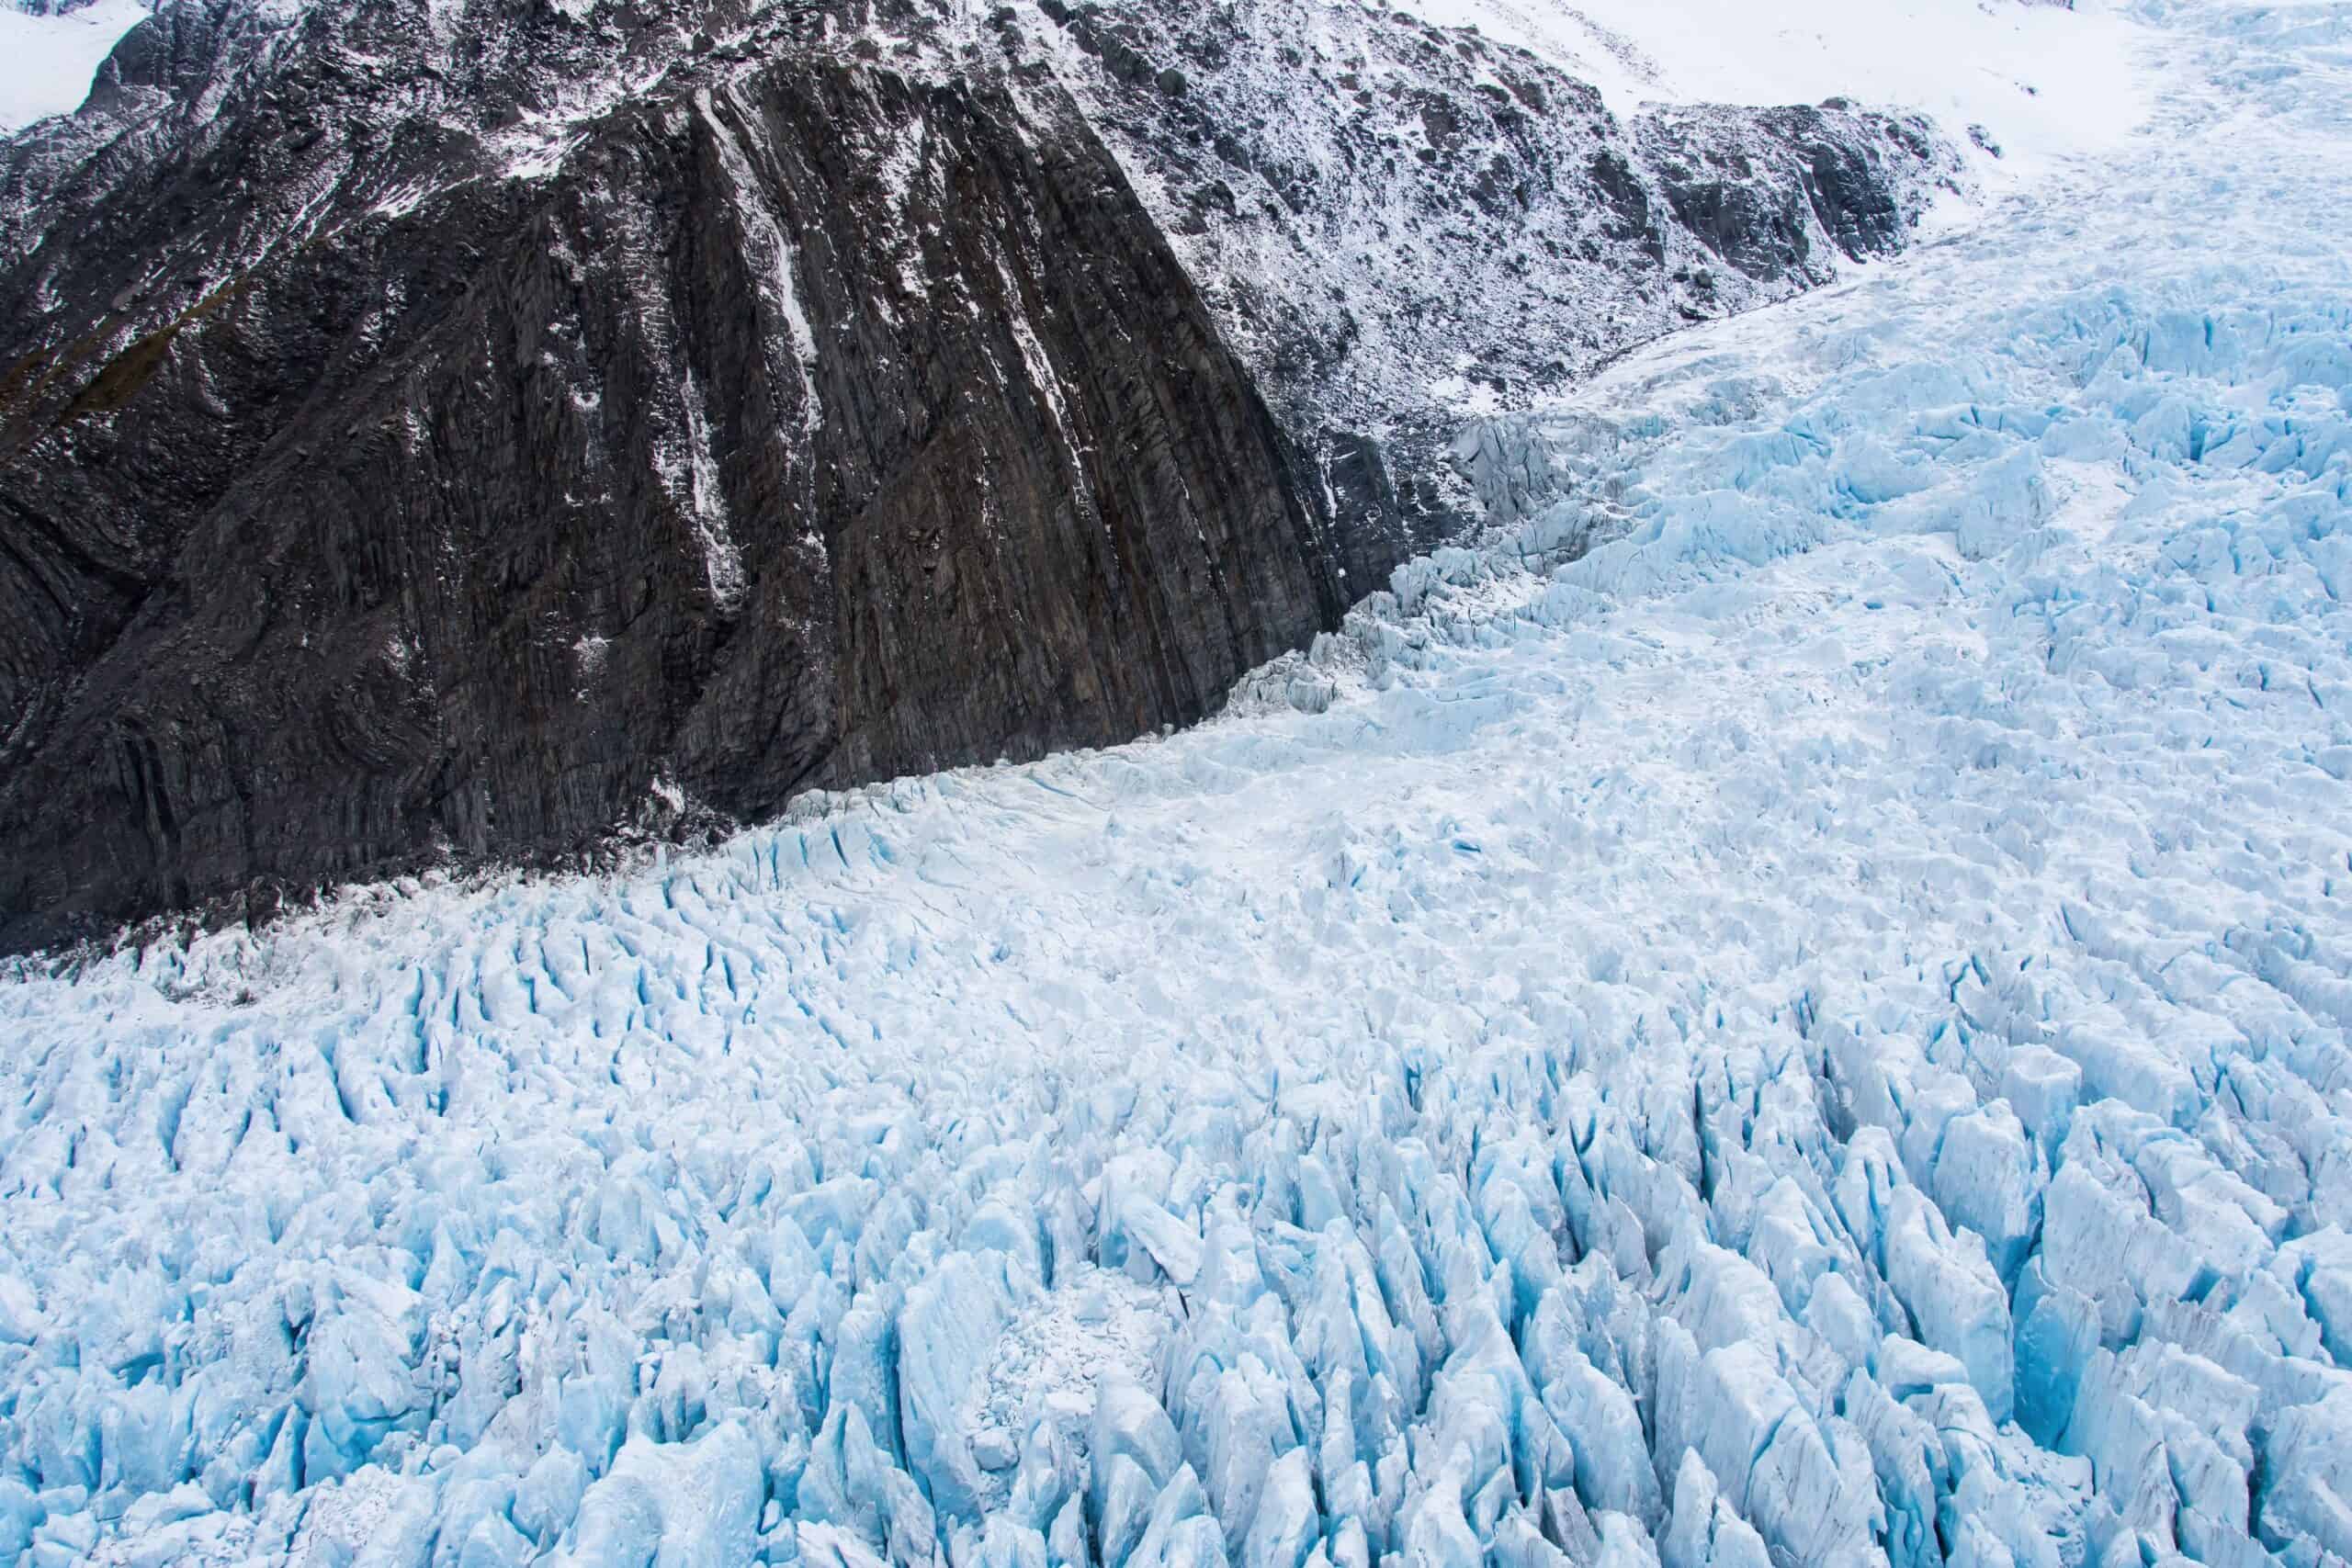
1810,1035
434,431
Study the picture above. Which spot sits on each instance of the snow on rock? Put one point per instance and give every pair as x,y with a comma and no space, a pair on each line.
1788,1007
2046,79
48,59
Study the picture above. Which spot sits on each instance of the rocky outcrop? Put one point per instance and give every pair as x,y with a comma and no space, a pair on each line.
1398,223
442,434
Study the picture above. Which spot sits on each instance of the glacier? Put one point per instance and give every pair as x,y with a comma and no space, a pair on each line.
48,55
1786,1007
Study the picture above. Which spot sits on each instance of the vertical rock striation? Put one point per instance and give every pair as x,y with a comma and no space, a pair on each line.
437,434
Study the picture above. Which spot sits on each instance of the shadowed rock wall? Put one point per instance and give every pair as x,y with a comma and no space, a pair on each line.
712,462
456,433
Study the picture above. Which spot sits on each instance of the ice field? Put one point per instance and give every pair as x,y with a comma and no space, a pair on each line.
1812,1032
47,59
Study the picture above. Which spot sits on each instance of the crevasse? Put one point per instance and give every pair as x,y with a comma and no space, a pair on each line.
1788,1008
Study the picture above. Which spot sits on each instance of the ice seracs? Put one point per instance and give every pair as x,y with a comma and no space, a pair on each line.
1787,1008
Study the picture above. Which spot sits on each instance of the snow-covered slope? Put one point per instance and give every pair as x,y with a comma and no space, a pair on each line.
1397,223
2045,78
46,62
1812,1032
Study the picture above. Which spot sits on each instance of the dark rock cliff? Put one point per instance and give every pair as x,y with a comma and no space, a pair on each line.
1396,222
447,434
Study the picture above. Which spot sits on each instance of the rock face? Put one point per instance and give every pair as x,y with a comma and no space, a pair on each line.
439,433
1396,222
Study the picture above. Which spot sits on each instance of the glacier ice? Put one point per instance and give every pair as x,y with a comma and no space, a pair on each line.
1788,1008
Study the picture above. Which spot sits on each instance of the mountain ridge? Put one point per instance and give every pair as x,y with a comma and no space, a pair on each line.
448,434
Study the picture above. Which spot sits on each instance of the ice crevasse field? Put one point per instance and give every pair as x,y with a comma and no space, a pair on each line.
1789,1007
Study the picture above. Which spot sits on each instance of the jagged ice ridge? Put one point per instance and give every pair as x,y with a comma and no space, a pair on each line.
1789,1007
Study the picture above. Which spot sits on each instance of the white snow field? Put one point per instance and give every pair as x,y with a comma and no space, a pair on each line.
1813,1033
2044,77
47,61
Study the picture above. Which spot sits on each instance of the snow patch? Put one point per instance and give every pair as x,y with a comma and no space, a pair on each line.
2047,81
47,61
768,243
